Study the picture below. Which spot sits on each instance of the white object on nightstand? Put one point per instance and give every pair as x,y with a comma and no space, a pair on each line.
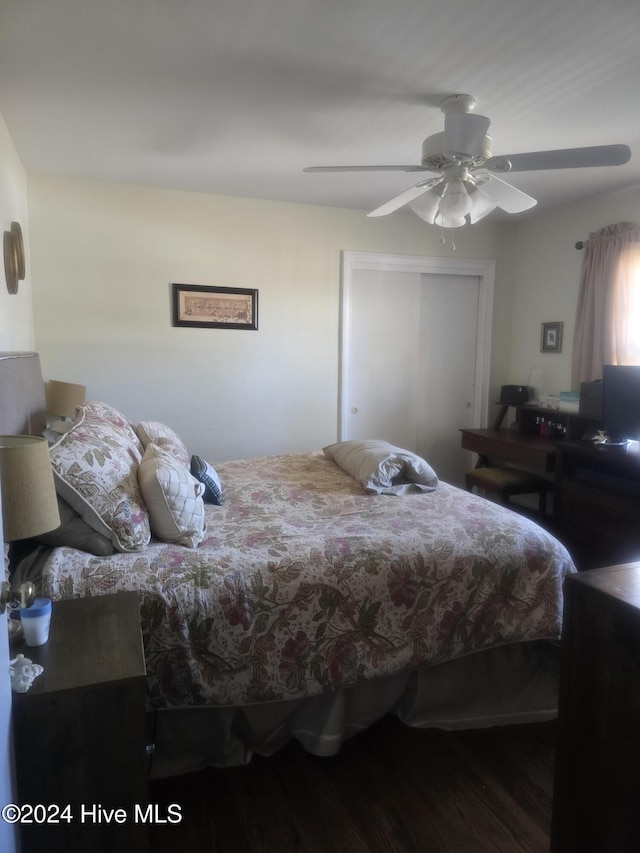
23,673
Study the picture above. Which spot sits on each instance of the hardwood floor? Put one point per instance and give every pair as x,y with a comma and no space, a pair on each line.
392,789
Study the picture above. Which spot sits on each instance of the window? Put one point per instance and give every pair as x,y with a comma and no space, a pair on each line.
626,306
607,328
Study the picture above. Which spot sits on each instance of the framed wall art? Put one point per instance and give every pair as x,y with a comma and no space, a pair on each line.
206,307
551,337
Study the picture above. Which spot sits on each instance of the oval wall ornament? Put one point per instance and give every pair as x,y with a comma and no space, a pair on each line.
18,241
14,259
10,263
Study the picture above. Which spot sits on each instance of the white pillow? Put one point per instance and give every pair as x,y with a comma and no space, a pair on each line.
173,498
383,468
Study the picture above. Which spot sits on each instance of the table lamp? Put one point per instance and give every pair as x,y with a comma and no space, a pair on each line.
29,501
62,399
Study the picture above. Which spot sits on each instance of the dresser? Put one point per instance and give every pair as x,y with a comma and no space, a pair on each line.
597,778
597,502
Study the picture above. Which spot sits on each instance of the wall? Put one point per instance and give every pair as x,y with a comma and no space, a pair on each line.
544,266
16,333
104,256
16,319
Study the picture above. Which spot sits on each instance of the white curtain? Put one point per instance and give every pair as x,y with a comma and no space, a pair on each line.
607,327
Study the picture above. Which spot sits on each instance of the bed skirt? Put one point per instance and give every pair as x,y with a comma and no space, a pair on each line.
511,684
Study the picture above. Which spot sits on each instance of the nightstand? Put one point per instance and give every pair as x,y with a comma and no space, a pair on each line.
79,731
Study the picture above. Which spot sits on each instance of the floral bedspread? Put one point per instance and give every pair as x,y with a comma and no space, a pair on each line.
304,583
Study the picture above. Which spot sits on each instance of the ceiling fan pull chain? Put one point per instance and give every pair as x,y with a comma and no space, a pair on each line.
443,239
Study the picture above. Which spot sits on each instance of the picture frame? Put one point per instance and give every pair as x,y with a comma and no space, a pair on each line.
205,307
551,337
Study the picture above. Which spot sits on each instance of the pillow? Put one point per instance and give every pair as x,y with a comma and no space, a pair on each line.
163,436
208,476
74,532
383,468
173,498
95,468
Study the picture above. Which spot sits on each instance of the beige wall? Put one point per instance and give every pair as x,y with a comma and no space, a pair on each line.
16,319
103,259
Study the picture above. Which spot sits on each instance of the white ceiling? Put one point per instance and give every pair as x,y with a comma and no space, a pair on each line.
237,96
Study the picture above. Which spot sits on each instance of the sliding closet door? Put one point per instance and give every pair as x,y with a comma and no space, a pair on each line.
385,353
412,363
447,371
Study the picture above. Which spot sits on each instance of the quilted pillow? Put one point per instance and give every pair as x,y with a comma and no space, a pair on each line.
157,433
208,476
383,468
173,498
95,467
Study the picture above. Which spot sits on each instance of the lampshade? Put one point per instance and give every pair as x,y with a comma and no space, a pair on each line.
482,205
63,398
455,202
449,221
426,205
29,502
461,201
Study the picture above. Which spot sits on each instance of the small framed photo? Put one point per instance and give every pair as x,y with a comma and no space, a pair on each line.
551,338
206,307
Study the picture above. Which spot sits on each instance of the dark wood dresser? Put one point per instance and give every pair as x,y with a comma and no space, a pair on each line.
597,502
79,731
597,780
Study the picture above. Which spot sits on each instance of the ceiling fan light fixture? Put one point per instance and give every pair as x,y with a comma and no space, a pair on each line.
449,221
481,206
426,206
455,202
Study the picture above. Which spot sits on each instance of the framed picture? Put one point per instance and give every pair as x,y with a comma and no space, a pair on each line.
551,340
214,307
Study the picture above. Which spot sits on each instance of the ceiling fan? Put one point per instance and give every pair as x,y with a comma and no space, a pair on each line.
466,187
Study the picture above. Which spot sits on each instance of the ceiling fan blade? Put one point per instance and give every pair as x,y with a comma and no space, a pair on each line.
405,197
505,196
464,133
366,169
562,158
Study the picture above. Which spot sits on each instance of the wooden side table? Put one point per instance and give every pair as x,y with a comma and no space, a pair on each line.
79,731
597,780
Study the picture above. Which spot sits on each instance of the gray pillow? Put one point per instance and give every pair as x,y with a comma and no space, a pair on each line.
383,468
74,532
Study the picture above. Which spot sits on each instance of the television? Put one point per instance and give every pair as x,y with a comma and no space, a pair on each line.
621,402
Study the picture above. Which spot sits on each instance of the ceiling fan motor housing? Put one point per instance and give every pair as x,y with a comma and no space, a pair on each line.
435,156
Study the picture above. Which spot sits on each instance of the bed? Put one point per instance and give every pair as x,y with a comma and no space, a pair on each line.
288,596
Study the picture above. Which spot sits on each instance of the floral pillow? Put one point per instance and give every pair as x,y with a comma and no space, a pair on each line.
95,468
153,432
